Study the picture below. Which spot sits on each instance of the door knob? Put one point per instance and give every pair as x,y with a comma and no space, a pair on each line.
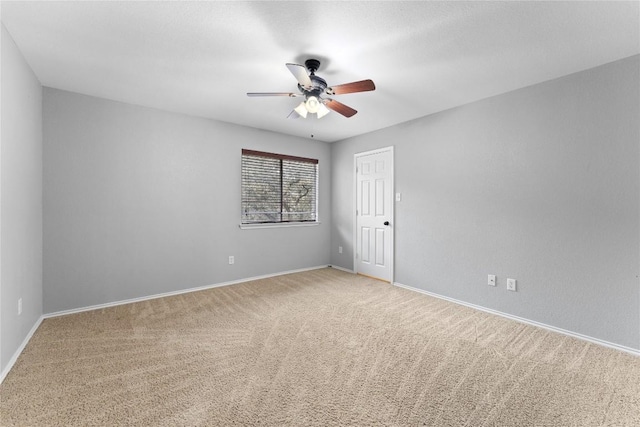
386,223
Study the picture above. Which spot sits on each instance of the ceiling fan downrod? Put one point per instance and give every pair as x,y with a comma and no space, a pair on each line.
312,65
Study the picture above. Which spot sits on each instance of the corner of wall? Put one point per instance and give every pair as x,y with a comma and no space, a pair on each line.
21,202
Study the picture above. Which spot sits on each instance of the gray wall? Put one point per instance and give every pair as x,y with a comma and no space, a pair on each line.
140,201
541,184
21,204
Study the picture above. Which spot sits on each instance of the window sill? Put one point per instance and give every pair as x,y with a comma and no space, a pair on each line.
279,225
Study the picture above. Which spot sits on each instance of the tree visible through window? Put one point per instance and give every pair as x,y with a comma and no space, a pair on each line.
278,188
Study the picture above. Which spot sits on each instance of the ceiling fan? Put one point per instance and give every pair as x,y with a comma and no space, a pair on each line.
311,87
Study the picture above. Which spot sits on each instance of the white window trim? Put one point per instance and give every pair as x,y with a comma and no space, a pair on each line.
279,225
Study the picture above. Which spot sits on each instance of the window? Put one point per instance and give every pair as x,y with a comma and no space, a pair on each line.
278,189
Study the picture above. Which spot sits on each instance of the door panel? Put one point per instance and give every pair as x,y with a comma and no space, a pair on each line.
380,202
365,197
366,247
380,246
373,208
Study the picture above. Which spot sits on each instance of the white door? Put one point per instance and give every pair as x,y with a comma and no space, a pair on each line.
374,214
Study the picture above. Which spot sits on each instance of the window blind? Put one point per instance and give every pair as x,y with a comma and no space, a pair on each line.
278,188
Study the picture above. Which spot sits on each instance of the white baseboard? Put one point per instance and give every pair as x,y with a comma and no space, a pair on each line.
633,351
346,270
15,356
172,293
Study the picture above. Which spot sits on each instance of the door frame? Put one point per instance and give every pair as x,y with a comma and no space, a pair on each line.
392,213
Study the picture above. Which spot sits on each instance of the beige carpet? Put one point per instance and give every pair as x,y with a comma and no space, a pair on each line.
318,348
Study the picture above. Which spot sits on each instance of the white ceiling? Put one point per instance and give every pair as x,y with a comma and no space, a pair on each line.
200,58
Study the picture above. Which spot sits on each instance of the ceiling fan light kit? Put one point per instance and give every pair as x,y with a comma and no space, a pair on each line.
301,110
312,87
322,111
312,104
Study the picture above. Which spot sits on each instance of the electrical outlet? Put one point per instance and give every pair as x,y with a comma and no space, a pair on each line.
232,260
19,306
511,284
492,280
398,197
339,249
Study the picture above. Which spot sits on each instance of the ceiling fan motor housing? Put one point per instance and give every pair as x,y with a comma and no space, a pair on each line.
318,86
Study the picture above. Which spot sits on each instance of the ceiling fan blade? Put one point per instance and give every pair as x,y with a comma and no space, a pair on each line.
340,108
300,73
361,86
291,94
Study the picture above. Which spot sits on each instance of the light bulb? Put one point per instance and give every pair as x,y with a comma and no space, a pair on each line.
312,104
301,109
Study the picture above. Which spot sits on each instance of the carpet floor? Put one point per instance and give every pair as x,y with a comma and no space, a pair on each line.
318,348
